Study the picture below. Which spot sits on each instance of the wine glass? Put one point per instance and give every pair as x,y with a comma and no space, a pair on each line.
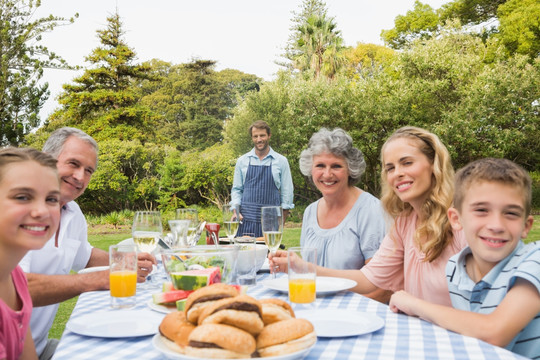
231,222
272,228
147,230
192,215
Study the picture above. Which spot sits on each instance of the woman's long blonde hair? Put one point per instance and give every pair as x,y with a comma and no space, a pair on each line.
434,233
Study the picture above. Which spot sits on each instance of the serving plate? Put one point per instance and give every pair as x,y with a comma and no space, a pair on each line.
341,322
324,285
159,343
160,308
116,323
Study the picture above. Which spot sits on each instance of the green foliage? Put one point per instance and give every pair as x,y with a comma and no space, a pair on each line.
308,8
497,115
102,101
366,59
194,101
520,27
127,177
22,61
514,22
479,108
470,11
419,23
315,45
319,48
209,174
535,177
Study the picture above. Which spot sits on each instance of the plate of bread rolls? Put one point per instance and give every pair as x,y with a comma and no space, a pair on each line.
220,323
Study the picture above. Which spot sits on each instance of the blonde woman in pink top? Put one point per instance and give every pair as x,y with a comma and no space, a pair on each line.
417,190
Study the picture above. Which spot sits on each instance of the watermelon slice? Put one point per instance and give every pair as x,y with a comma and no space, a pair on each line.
170,297
195,279
181,305
242,289
167,286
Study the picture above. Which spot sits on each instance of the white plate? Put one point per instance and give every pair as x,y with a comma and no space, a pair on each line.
128,241
340,322
93,268
160,308
324,285
116,323
159,344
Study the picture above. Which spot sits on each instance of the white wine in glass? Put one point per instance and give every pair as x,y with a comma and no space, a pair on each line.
146,231
146,241
272,228
231,227
272,240
231,222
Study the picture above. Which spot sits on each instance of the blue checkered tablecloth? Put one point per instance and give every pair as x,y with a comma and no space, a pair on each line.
402,337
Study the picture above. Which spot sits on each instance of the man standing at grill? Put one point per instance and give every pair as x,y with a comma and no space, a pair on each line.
262,177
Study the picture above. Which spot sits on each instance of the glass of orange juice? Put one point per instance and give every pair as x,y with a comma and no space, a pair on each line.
302,272
123,275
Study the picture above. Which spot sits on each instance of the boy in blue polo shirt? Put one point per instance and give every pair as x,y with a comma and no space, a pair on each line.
494,283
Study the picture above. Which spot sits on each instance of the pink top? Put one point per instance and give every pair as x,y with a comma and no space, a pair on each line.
14,324
400,265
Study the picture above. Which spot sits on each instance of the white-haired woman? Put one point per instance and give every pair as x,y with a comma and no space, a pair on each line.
347,224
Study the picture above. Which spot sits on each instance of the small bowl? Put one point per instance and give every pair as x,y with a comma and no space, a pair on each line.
262,253
201,257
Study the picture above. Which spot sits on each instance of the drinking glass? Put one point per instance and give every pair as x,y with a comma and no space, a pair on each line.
302,271
122,275
192,215
146,230
179,229
246,264
231,222
272,228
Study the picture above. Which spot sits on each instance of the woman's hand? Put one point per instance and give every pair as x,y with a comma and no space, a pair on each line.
278,261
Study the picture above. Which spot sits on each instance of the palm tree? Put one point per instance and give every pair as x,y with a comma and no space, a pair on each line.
319,46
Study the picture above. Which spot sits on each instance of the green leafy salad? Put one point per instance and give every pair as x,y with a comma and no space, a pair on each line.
182,263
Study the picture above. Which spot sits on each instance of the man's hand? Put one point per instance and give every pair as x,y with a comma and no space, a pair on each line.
144,265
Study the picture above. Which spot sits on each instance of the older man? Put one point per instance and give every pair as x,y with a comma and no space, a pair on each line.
48,269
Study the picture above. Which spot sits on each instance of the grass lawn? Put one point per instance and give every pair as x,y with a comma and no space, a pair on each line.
291,237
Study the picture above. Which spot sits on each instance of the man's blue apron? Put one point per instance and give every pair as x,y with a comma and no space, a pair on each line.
259,190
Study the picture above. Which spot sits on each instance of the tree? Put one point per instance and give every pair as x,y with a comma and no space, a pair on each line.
194,101
419,23
210,173
520,27
514,22
127,177
470,11
319,47
104,101
366,59
308,8
22,61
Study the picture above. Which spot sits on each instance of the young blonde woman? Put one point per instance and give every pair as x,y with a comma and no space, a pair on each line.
417,181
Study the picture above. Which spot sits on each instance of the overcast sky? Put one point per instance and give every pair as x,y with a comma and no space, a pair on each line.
248,35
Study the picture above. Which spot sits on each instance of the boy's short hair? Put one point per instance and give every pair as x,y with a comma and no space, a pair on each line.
259,124
494,170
